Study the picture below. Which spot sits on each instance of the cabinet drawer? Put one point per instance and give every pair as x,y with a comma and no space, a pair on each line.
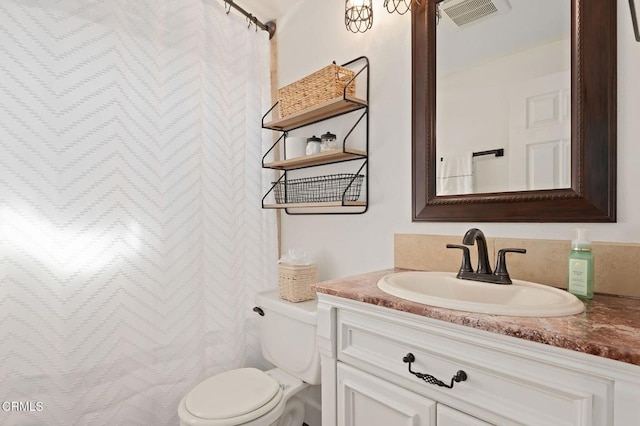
501,387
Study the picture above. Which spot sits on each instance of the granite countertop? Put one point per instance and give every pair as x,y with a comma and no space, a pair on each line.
609,327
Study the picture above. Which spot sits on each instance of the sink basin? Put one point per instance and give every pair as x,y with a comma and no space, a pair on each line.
444,290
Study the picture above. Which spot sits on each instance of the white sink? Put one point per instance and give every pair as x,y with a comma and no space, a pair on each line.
444,290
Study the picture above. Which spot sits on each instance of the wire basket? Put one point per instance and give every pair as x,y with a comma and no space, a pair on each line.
338,187
321,86
295,282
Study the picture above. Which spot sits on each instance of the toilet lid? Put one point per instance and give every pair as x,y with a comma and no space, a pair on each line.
245,392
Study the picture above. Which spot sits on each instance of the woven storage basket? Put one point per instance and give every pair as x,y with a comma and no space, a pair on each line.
295,282
321,86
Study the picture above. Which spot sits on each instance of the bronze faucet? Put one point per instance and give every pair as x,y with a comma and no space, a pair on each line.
483,273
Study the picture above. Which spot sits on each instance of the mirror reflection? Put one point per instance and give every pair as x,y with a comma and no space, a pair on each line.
503,96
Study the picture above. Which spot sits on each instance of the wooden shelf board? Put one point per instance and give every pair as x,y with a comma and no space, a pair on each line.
327,157
324,204
321,111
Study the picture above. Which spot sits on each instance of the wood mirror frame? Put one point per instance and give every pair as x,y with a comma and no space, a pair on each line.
592,196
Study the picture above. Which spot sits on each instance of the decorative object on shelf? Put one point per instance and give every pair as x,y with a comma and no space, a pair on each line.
358,15
318,189
295,146
321,86
635,14
297,272
399,6
328,142
313,145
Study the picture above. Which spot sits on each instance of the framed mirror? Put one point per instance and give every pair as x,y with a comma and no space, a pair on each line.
577,165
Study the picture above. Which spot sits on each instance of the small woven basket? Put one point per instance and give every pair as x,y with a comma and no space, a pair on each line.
321,86
295,282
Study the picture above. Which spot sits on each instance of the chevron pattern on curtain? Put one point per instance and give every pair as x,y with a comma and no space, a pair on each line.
132,240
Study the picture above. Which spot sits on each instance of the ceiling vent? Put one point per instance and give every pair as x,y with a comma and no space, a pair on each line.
464,12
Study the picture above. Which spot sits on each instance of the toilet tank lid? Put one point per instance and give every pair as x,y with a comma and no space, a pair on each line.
301,311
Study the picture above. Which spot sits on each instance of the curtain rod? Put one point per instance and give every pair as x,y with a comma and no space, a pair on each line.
269,27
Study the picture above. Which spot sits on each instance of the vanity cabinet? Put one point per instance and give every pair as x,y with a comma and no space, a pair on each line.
315,192
509,381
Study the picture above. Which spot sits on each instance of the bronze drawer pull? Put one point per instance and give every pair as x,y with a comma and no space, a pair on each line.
460,376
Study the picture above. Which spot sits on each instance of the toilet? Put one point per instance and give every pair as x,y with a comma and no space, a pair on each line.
252,397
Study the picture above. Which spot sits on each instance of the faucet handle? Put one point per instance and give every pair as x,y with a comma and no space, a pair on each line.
466,259
501,265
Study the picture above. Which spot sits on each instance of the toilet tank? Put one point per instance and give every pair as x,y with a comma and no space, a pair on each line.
288,335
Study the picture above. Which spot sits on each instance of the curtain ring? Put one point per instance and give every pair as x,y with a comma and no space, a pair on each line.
227,6
249,17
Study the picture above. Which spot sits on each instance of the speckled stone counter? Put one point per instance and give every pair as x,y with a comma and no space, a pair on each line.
609,327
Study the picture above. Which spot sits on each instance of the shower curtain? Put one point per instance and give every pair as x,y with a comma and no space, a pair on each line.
132,241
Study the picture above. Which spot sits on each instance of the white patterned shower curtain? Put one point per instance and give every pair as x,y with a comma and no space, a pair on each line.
132,240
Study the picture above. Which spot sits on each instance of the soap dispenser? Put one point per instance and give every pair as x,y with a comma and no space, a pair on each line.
581,265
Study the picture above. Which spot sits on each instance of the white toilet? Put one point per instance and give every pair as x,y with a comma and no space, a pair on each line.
251,397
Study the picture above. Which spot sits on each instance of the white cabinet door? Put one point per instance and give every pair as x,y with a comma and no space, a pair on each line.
364,400
449,417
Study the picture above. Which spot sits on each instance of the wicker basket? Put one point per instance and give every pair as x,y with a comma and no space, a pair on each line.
319,189
295,282
316,88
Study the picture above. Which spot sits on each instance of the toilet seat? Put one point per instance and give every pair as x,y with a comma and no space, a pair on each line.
232,398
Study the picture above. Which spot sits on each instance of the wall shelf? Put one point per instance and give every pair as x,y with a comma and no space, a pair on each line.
322,158
314,205
324,111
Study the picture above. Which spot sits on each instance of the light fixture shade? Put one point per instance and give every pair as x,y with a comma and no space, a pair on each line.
399,6
358,15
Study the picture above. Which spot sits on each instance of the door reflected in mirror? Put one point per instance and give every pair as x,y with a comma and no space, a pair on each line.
503,96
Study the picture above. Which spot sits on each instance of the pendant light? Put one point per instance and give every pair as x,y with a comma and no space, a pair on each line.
399,6
358,15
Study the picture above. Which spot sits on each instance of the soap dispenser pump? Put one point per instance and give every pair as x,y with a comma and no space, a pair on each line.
581,266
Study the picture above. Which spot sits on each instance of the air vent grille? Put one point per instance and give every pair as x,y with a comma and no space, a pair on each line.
469,11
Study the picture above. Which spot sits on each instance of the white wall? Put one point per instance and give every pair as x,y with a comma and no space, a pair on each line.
313,34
